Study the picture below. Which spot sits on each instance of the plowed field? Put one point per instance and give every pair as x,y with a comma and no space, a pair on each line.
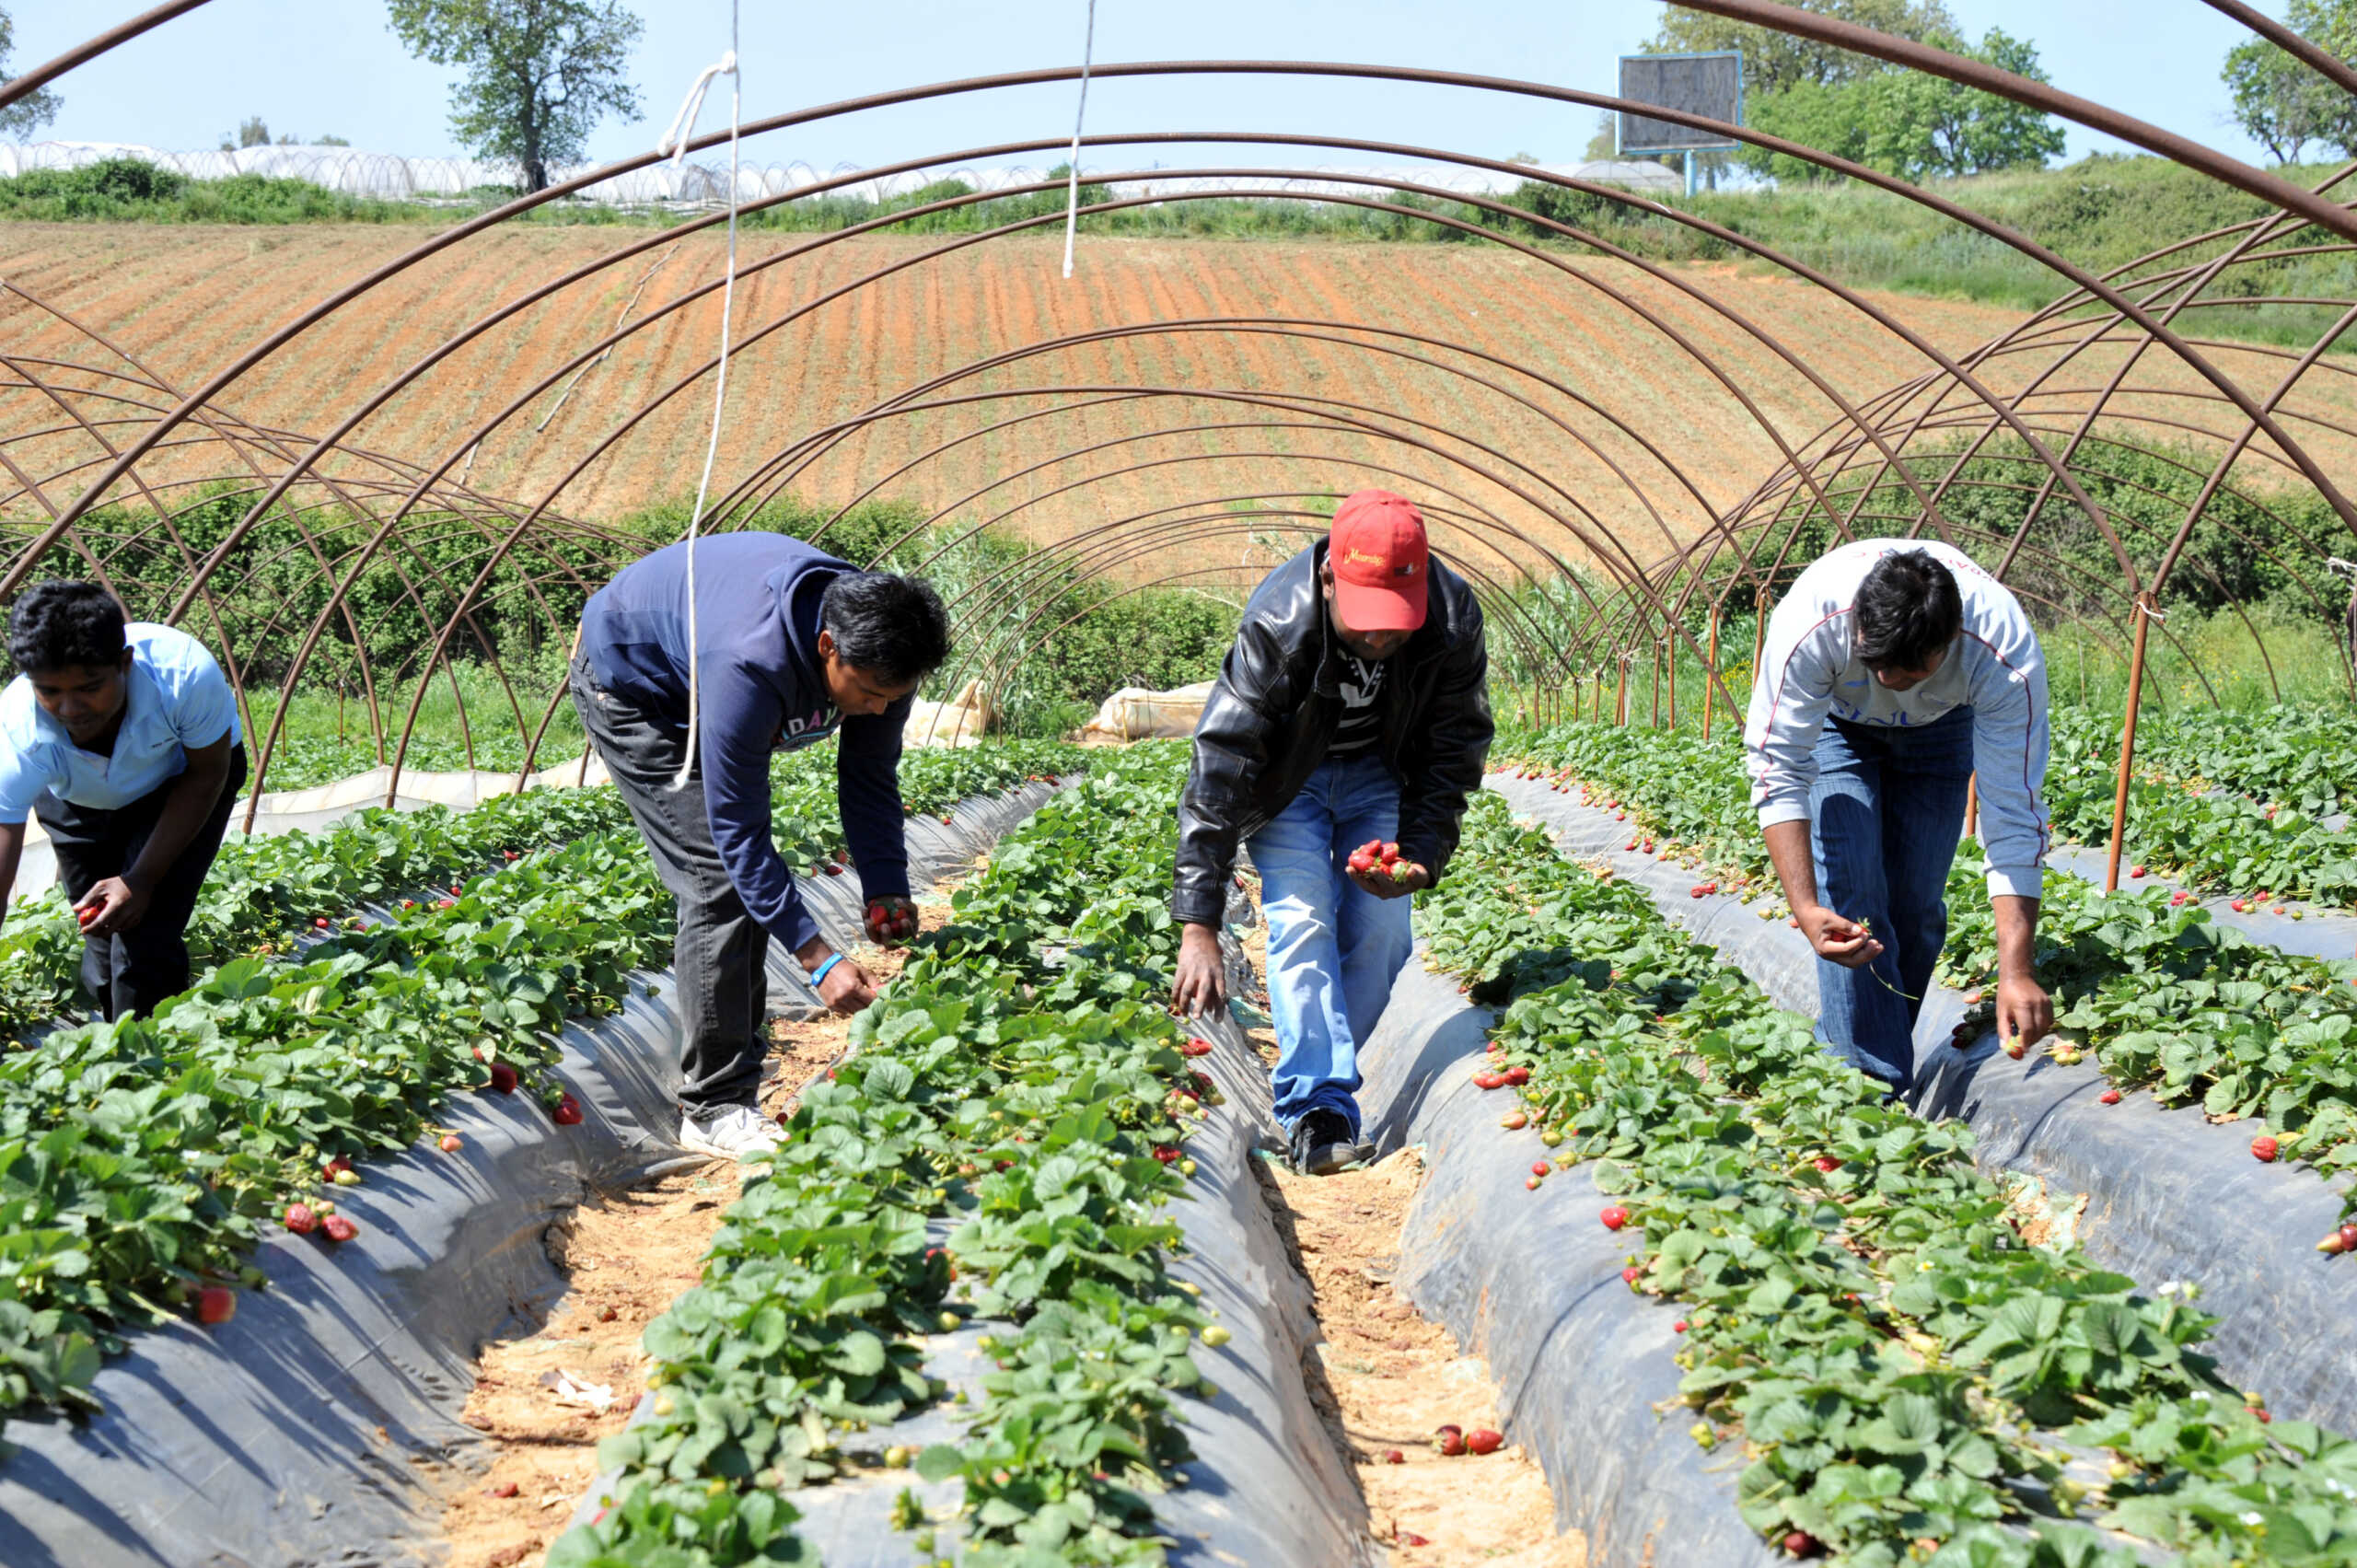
1543,457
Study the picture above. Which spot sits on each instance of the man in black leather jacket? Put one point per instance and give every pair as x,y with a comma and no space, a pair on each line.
1353,706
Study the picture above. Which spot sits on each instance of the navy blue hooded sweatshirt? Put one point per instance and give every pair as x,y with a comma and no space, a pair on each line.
761,691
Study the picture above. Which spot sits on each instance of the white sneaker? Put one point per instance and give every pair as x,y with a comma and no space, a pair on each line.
730,1134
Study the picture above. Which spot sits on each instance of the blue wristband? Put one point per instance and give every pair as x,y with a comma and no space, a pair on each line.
819,974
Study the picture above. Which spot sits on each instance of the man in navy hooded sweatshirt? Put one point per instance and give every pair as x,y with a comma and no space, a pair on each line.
792,646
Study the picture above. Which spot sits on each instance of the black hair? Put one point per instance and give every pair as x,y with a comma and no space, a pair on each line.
61,623
892,626
1908,611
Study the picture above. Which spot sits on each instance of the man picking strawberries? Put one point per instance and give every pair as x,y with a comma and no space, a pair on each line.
790,646
1352,715
1892,673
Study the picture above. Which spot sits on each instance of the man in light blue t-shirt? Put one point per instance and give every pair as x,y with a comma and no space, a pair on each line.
123,738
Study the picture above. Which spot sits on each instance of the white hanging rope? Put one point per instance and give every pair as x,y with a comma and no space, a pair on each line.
675,142
1072,186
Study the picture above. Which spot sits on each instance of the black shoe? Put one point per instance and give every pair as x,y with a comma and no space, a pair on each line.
1324,1144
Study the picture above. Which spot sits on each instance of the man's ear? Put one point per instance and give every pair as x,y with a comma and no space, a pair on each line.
826,643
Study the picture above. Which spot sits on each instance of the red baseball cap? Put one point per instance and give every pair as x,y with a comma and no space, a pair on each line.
1382,564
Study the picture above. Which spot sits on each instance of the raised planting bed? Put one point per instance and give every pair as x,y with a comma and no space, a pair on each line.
319,1422
2168,1195
1873,1362
1009,1292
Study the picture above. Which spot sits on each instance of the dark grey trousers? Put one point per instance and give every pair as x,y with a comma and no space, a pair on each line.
716,958
128,974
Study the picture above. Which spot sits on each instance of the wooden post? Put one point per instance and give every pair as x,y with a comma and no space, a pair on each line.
1670,659
2145,611
1759,639
1972,807
1656,718
1711,674
1620,693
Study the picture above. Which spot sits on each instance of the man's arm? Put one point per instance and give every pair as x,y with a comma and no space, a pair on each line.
1843,940
1445,769
120,903
738,727
867,799
1231,749
12,852
2009,753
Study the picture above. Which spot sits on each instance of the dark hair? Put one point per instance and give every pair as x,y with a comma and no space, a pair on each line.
892,625
1909,610
61,623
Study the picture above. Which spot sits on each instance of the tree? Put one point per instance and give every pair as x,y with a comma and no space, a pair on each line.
2284,104
31,112
1774,61
1912,123
539,74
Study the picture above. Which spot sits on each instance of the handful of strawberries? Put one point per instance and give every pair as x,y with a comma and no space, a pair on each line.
1381,859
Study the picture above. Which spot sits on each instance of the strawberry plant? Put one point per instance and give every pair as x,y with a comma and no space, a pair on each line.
1016,1083
1904,1370
138,1160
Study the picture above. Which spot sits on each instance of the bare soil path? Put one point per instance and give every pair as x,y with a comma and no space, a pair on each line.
628,1256
1392,1379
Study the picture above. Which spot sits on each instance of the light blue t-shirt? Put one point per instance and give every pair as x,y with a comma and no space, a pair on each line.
178,698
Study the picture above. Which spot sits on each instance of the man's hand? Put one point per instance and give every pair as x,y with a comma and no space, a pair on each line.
2025,1012
1394,881
1844,941
848,988
112,904
1201,983
891,921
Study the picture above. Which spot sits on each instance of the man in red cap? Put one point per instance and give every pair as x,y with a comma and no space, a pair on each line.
1353,708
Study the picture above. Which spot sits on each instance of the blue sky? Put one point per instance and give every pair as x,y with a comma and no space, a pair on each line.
331,65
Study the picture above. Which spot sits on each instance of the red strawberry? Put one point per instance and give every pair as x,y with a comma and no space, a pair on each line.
511,854
1483,1441
567,1113
215,1303
2236,905
2264,1148
1517,1075
1614,1217
1168,1153
1409,1537
2135,871
448,904
1827,1163
323,923
1489,1080
1450,1440
1629,1275
1196,1047
833,870
503,1077
1394,1457
335,1167
1539,1168
1800,1543
339,1228
2109,1096
2349,1239
1532,1183
300,1219
451,1143
457,889
1678,1326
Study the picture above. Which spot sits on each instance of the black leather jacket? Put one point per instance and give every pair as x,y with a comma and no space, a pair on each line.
1275,708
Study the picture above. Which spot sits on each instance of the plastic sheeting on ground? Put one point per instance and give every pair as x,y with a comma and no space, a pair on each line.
1266,1484
1532,1281
321,1425
2168,1194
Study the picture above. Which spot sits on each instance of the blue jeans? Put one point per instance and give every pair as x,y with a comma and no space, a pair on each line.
1334,947
1887,808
